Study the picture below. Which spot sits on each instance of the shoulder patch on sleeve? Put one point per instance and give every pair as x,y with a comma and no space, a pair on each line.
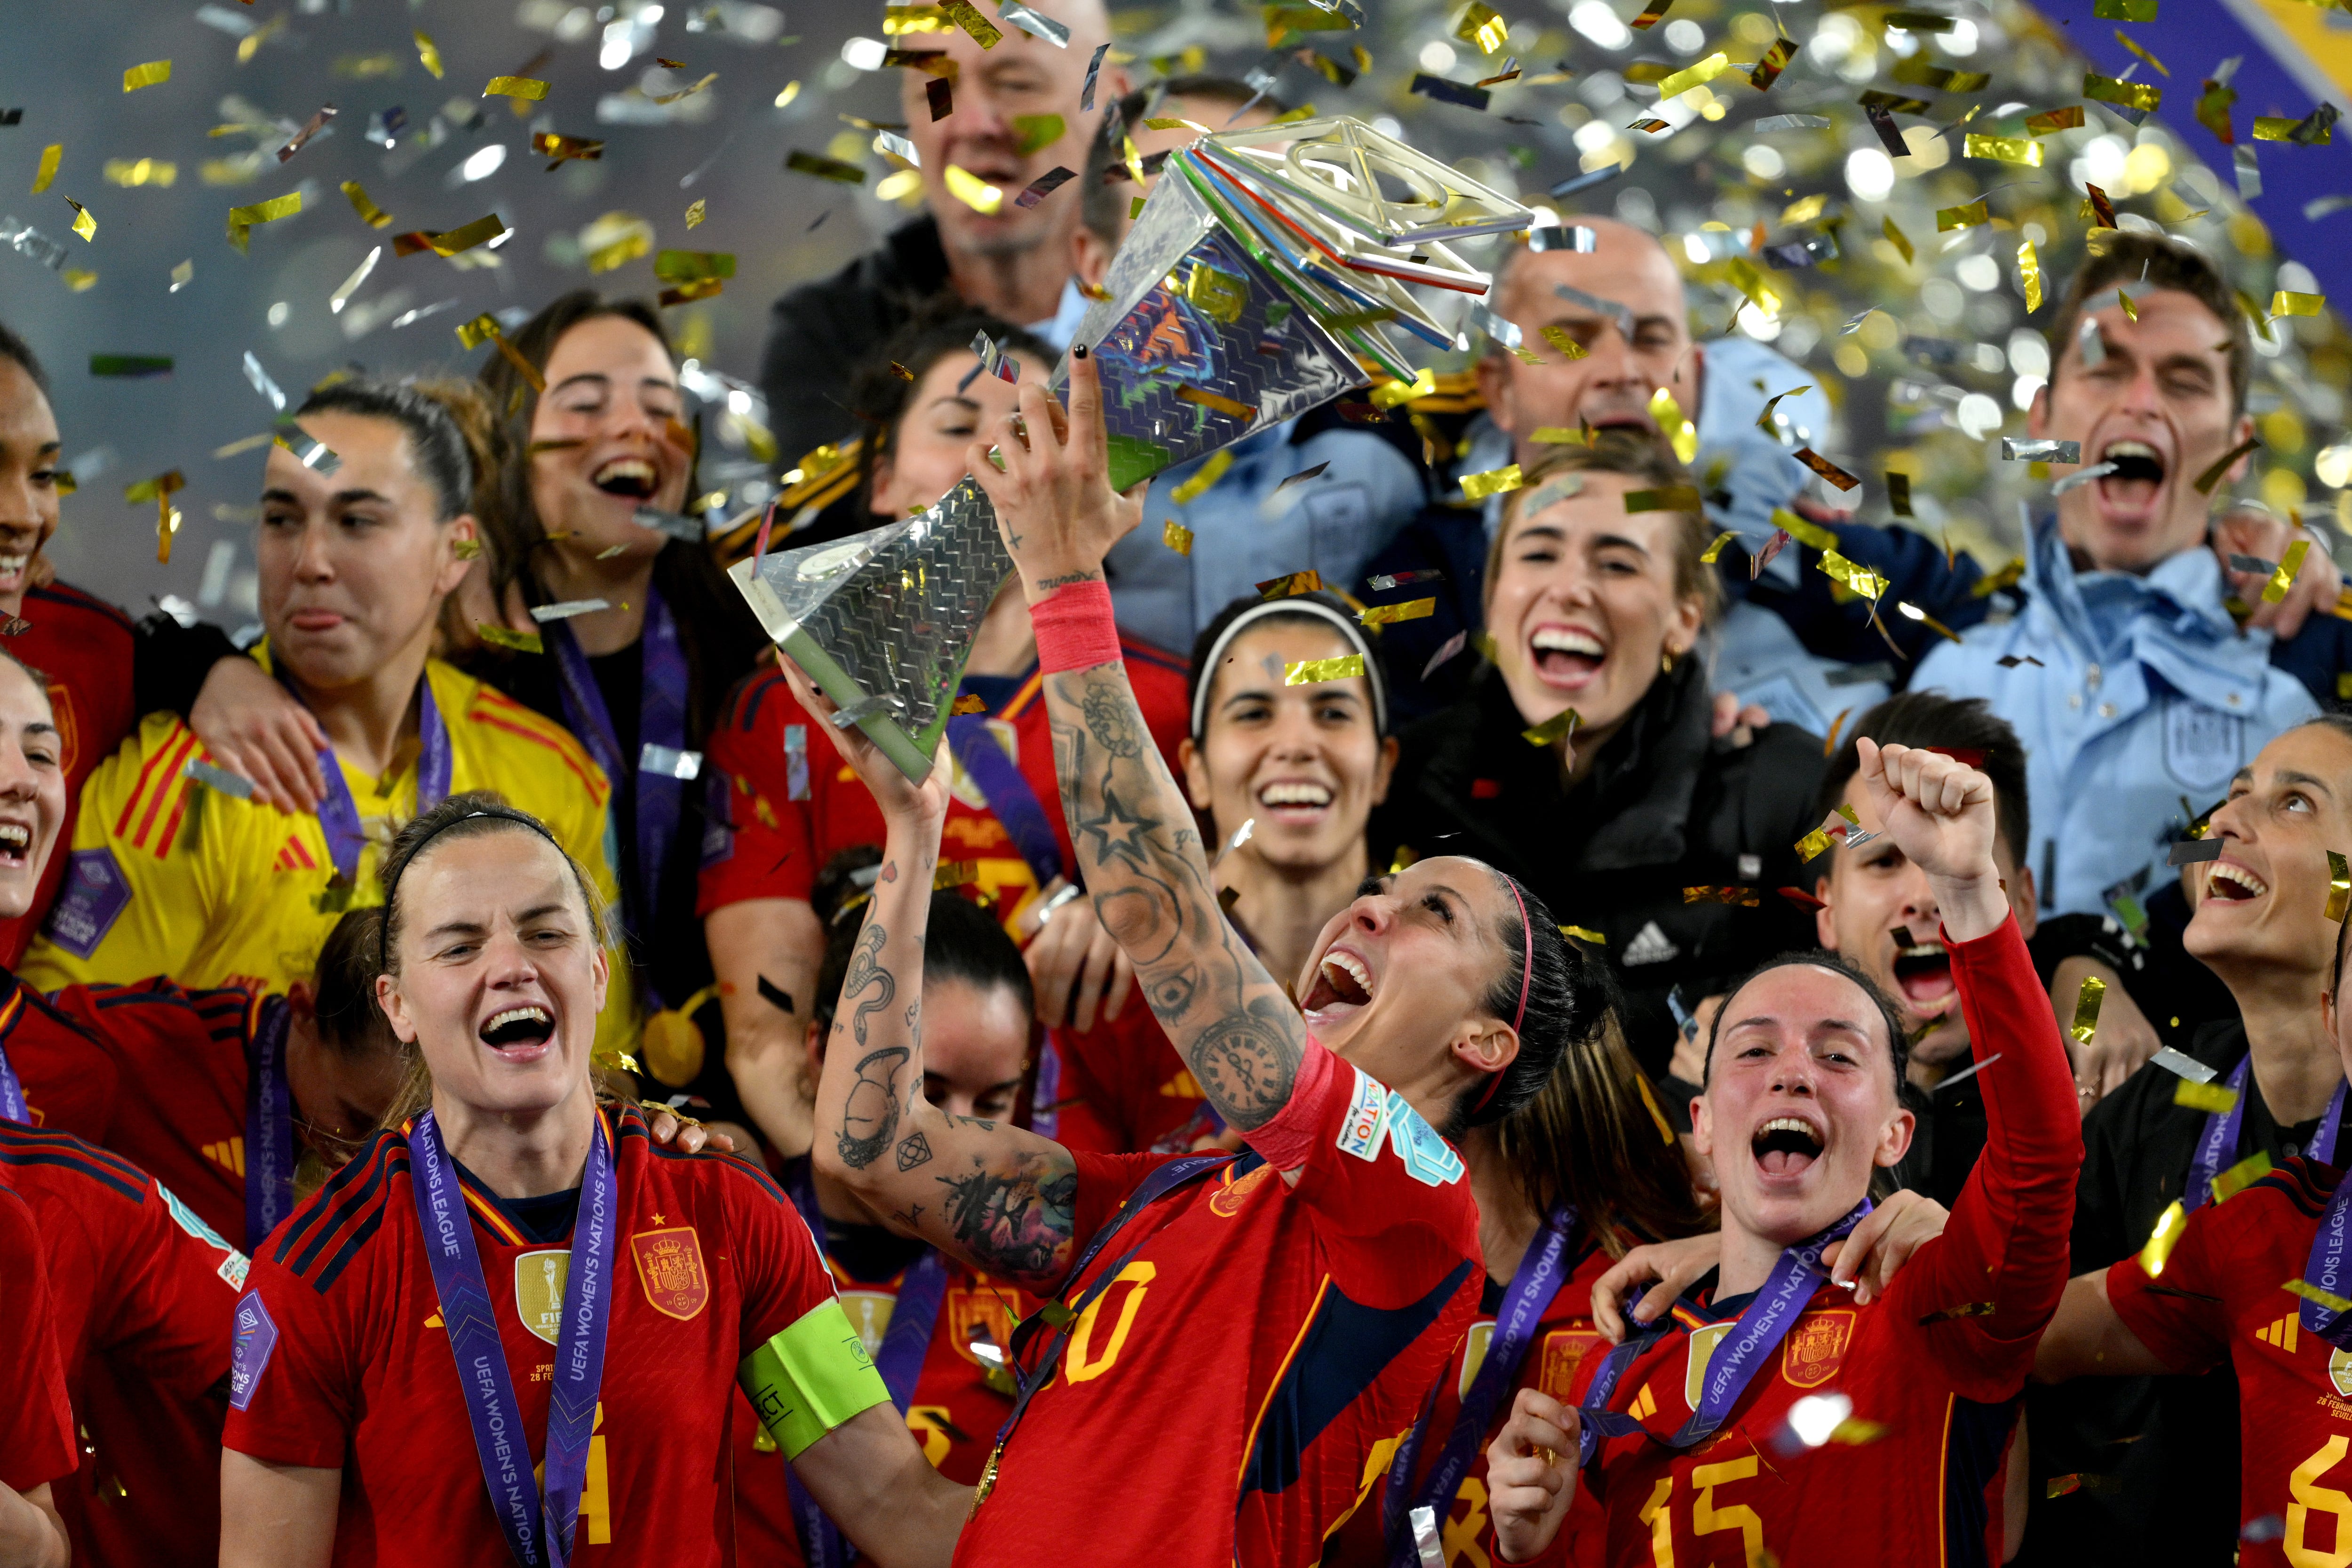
1367,1119
256,1336
92,897
1428,1158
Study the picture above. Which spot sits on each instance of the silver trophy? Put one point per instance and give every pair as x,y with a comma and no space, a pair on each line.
1253,288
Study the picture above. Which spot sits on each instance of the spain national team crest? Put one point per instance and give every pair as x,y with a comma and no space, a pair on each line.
669,1265
2339,1372
1226,1201
1815,1348
982,1316
1564,1350
538,1290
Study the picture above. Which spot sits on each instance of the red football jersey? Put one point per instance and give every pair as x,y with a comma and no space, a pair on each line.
69,1082
1564,1340
2220,1300
180,1067
83,646
143,1291
954,1413
1126,1077
36,1437
777,845
1247,1374
1938,1392
353,1367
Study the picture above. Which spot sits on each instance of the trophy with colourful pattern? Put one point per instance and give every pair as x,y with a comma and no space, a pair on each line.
1254,287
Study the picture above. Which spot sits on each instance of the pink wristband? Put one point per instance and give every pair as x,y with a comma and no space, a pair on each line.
1074,628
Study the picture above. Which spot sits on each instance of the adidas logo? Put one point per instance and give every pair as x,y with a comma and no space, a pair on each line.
2280,1333
1650,947
229,1154
1644,1406
1183,1085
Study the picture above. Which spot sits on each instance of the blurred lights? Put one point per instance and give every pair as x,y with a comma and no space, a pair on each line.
1869,174
866,54
1981,273
1977,417
1437,57
1764,163
2023,394
483,163
2334,466
1597,20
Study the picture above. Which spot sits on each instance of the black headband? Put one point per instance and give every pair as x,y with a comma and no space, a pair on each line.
392,887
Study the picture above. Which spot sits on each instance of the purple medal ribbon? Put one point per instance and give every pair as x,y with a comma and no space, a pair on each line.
339,814
2326,1267
1010,799
905,1344
2218,1142
268,1126
1763,1324
540,1537
1534,1284
11,1092
652,800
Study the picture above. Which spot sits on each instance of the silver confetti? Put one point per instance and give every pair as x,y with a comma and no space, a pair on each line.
564,611
2015,451
667,762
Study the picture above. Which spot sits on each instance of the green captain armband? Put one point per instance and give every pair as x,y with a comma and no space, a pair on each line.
811,1378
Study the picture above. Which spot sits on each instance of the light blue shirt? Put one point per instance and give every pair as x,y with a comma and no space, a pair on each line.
1059,328
2147,694
1243,532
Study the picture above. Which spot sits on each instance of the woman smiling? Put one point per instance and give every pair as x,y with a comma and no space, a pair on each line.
1596,599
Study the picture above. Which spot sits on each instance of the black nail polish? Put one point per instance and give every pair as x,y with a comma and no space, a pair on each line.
1080,352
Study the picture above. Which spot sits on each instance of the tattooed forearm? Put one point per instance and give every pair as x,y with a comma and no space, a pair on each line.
1154,895
868,976
871,1115
1017,1219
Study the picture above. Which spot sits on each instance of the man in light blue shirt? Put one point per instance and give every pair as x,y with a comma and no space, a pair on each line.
2134,691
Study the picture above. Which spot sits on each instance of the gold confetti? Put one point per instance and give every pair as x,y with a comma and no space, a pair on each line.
1560,338
2086,1009
2067,118
2126,41
2285,302
504,637
1862,580
1743,898
183,275
2221,465
84,223
962,14
1964,217
2284,578
1826,469
686,91
2140,95
2310,1292
694,214
1678,431
1314,671
429,53
1557,728
1290,585
2003,150
48,169
1585,934
2240,1176
1692,76
242,219
1397,392
1714,552
973,191
1217,401
516,87
1389,614
1493,482
1193,489
1764,420
548,145
1673,498
488,226
1177,537
1750,282
1802,531
148,75
128,173
1482,26
2163,1240
2339,886
1559,436
2029,275
370,214
2130,308
2209,1097
1895,237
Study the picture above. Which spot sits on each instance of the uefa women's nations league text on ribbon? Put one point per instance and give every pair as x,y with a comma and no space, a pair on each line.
1260,274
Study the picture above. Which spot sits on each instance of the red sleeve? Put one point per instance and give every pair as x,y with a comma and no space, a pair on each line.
1393,1206
176,1296
1159,680
294,1370
783,1274
2007,1242
765,850
37,1435
2219,1254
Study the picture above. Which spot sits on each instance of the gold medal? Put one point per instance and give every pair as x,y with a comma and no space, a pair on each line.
987,1479
673,1042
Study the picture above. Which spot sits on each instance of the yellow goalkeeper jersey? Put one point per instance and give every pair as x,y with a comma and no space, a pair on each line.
170,876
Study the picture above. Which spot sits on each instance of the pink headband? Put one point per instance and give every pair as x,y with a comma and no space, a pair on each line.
1527,972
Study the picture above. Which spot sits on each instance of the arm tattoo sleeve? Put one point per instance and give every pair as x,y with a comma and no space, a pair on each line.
1152,890
1015,1218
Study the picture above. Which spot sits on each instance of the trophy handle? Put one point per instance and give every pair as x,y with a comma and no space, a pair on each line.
880,727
